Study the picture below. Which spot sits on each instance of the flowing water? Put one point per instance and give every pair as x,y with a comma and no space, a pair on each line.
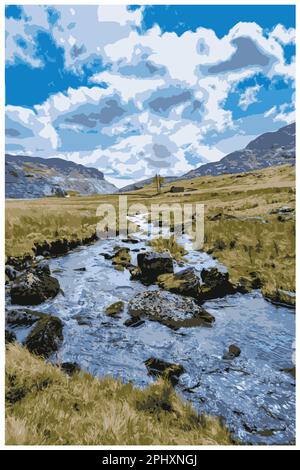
252,393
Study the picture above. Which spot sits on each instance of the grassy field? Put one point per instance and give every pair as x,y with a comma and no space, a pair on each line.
46,407
240,230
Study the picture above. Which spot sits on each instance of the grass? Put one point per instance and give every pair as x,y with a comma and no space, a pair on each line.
242,242
161,244
46,407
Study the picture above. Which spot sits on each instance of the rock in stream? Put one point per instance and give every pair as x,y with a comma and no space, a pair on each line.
169,309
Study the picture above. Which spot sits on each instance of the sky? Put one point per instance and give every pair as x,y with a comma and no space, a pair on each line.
140,90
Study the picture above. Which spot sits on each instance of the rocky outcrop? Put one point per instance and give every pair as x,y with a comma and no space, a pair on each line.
169,309
159,368
185,282
215,283
33,287
151,265
46,336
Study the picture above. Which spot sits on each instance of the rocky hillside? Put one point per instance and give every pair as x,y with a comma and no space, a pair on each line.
34,177
269,149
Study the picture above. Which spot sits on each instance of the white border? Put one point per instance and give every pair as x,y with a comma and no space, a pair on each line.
2,120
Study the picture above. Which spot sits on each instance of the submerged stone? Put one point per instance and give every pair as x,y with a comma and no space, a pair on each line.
115,308
159,368
233,352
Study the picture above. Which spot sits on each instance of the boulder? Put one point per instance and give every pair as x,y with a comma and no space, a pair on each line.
130,240
10,337
22,317
185,282
169,309
70,368
153,265
136,273
216,284
46,336
42,267
82,320
33,287
159,368
233,352
11,272
115,308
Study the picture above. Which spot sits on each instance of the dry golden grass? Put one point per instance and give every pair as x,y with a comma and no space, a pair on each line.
46,407
243,244
161,244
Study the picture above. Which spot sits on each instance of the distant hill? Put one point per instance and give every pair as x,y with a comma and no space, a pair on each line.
141,184
34,177
269,149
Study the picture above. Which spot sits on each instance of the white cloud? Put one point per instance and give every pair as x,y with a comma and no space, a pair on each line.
249,97
270,111
284,114
283,35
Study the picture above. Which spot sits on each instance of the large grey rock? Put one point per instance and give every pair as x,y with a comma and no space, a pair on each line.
33,287
169,309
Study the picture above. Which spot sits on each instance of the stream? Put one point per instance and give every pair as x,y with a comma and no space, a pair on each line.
252,394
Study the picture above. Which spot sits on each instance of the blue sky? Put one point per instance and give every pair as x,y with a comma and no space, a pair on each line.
137,90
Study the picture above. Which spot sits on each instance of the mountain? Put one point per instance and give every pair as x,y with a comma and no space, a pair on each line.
269,149
141,184
34,177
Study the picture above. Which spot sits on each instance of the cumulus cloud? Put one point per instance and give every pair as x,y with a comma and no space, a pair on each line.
283,35
159,102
